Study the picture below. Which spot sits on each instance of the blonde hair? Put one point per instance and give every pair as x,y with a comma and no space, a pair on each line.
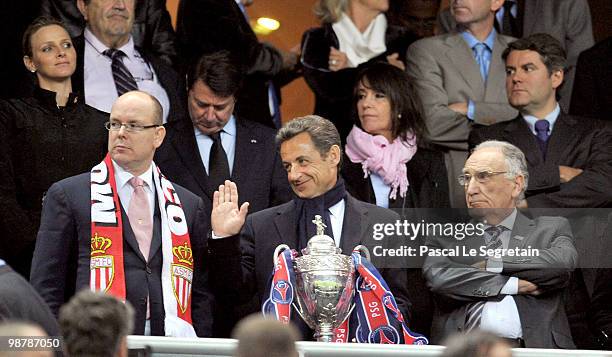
329,11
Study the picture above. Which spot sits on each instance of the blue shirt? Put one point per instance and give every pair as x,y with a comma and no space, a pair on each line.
228,140
471,42
551,117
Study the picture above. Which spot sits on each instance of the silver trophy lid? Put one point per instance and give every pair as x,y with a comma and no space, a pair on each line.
321,244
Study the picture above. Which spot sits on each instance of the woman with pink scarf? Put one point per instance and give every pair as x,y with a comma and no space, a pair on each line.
385,161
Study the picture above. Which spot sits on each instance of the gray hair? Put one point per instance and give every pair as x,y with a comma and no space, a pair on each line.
322,132
515,161
94,324
329,11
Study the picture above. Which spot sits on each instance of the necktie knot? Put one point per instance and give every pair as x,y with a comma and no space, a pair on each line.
216,136
542,126
136,182
508,4
113,52
480,48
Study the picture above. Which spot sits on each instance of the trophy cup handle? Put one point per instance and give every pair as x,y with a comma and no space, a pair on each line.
279,250
361,249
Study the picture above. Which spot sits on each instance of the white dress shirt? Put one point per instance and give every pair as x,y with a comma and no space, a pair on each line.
502,318
228,141
100,90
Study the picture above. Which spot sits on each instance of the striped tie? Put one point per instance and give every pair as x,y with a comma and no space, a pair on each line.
474,310
124,81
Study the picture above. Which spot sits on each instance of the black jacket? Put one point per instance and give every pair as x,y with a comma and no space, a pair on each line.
40,144
152,28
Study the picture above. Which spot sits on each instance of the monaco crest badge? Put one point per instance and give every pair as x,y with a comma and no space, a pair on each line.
182,275
102,266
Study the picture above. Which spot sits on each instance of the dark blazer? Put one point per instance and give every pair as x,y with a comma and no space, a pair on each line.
241,265
427,178
334,90
257,170
591,96
226,28
577,142
456,283
172,83
20,302
61,259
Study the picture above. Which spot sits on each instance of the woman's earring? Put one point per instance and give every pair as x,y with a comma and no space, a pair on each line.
33,70
399,116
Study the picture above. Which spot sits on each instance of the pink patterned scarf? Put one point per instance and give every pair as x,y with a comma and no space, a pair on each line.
387,160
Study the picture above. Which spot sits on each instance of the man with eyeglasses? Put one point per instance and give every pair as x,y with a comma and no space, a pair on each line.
516,294
569,158
216,144
124,229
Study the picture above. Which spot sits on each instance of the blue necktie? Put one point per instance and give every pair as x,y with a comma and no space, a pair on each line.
541,127
480,53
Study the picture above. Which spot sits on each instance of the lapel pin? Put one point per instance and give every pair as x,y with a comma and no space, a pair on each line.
253,141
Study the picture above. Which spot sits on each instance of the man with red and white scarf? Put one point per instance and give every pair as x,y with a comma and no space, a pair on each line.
124,229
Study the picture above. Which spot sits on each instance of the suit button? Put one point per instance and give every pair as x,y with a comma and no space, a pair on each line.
148,269
143,301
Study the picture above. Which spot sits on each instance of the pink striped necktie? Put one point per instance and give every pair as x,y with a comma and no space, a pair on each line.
139,214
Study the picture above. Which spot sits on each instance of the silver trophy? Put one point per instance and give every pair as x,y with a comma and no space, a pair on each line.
325,283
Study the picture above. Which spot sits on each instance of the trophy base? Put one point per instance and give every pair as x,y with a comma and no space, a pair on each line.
325,334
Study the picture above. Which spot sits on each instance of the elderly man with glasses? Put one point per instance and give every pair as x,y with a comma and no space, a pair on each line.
124,229
510,279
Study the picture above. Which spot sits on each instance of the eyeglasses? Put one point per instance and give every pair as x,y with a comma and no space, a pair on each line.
131,127
481,177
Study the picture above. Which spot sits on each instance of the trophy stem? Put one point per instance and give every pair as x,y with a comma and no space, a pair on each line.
325,333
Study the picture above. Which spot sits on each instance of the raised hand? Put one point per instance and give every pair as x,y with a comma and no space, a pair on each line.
226,218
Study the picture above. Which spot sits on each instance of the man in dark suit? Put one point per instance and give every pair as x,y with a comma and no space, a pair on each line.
227,28
569,158
110,63
188,155
517,296
569,21
243,252
125,229
592,95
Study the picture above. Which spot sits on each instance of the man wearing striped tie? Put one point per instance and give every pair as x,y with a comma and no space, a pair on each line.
510,279
111,64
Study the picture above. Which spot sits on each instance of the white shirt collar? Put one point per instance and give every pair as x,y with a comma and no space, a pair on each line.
128,48
122,176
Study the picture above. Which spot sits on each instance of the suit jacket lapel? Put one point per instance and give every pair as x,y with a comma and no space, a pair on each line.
562,137
285,224
518,133
461,55
523,227
496,81
246,153
157,231
354,225
185,145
